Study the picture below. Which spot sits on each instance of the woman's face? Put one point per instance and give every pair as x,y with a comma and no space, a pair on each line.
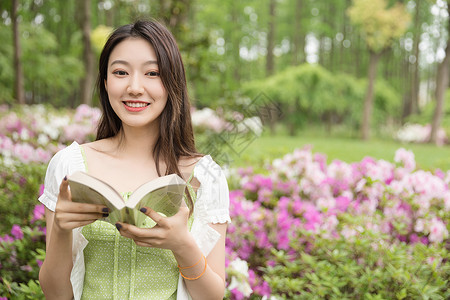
134,87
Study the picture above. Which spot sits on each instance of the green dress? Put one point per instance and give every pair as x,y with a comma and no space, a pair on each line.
116,268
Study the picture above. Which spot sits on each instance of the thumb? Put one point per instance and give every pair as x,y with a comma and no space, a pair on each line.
64,192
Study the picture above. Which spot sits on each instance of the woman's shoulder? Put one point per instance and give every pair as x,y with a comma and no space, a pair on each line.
65,153
198,164
98,145
66,158
189,161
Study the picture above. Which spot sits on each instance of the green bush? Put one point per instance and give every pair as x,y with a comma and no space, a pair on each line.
363,268
312,94
19,189
21,254
49,74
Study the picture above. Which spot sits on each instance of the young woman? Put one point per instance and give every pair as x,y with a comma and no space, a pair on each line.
145,132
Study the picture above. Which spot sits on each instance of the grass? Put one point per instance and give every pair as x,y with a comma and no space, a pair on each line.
267,147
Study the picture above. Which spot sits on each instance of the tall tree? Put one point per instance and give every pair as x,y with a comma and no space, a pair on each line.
411,99
270,65
441,86
87,83
18,82
380,26
298,39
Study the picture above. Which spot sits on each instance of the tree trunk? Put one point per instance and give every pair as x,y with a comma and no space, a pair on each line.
235,46
416,70
411,103
298,37
441,87
368,102
271,40
86,85
109,15
19,91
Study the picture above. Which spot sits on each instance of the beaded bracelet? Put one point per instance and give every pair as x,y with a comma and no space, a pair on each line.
194,278
184,268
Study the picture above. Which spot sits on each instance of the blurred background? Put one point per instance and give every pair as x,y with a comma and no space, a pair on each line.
330,117
334,69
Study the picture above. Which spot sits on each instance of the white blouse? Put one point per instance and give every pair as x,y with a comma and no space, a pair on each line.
211,206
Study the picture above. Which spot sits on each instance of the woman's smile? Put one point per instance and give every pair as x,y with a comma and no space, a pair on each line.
135,106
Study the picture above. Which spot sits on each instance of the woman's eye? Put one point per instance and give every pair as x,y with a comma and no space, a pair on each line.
120,73
153,73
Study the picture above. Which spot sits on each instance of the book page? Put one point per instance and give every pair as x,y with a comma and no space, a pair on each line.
87,189
84,194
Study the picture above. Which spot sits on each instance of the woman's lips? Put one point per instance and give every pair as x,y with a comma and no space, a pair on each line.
135,106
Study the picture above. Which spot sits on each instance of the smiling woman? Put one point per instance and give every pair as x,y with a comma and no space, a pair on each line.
133,83
145,132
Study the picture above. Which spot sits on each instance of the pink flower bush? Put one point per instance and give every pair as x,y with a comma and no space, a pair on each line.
303,193
35,133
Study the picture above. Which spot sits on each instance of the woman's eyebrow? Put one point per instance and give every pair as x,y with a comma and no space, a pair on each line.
124,62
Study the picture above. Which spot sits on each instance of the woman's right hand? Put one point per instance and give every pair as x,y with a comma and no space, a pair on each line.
70,215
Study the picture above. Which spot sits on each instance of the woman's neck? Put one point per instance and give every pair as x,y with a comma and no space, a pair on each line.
136,142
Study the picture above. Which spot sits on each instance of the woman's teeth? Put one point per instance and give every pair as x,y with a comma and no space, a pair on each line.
136,104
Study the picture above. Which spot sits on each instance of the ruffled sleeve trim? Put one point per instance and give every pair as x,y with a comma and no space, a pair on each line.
213,200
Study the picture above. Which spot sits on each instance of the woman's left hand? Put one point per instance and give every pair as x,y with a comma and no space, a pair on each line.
168,233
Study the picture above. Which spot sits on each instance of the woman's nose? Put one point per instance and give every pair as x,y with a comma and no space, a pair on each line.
135,86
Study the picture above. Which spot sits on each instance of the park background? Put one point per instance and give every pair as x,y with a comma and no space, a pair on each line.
330,118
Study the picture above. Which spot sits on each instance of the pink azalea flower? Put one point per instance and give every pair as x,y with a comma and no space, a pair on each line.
438,231
406,159
38,213
342,203
41,189
24,152
7,238
17,232
236,294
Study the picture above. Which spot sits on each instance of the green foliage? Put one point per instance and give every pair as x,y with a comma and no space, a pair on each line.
361,268
380,25
427,114
47,74
19,189
22,291
310,93
20,261
21,255
6,67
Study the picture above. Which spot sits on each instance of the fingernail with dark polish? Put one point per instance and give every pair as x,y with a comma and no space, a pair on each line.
65,178
105,209
105,215
118,226
143,209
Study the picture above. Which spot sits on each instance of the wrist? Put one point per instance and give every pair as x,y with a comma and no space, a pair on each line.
60,231
186,249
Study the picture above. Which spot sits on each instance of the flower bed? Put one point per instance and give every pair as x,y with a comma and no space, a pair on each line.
312,230
305,230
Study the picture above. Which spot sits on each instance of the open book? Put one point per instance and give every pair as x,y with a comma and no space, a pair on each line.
163,194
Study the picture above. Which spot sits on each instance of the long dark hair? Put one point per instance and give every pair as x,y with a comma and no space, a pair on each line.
176,137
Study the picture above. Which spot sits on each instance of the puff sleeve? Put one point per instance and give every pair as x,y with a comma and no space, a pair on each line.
63,163
213,199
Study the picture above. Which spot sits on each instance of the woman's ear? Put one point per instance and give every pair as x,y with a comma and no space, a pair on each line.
106,86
